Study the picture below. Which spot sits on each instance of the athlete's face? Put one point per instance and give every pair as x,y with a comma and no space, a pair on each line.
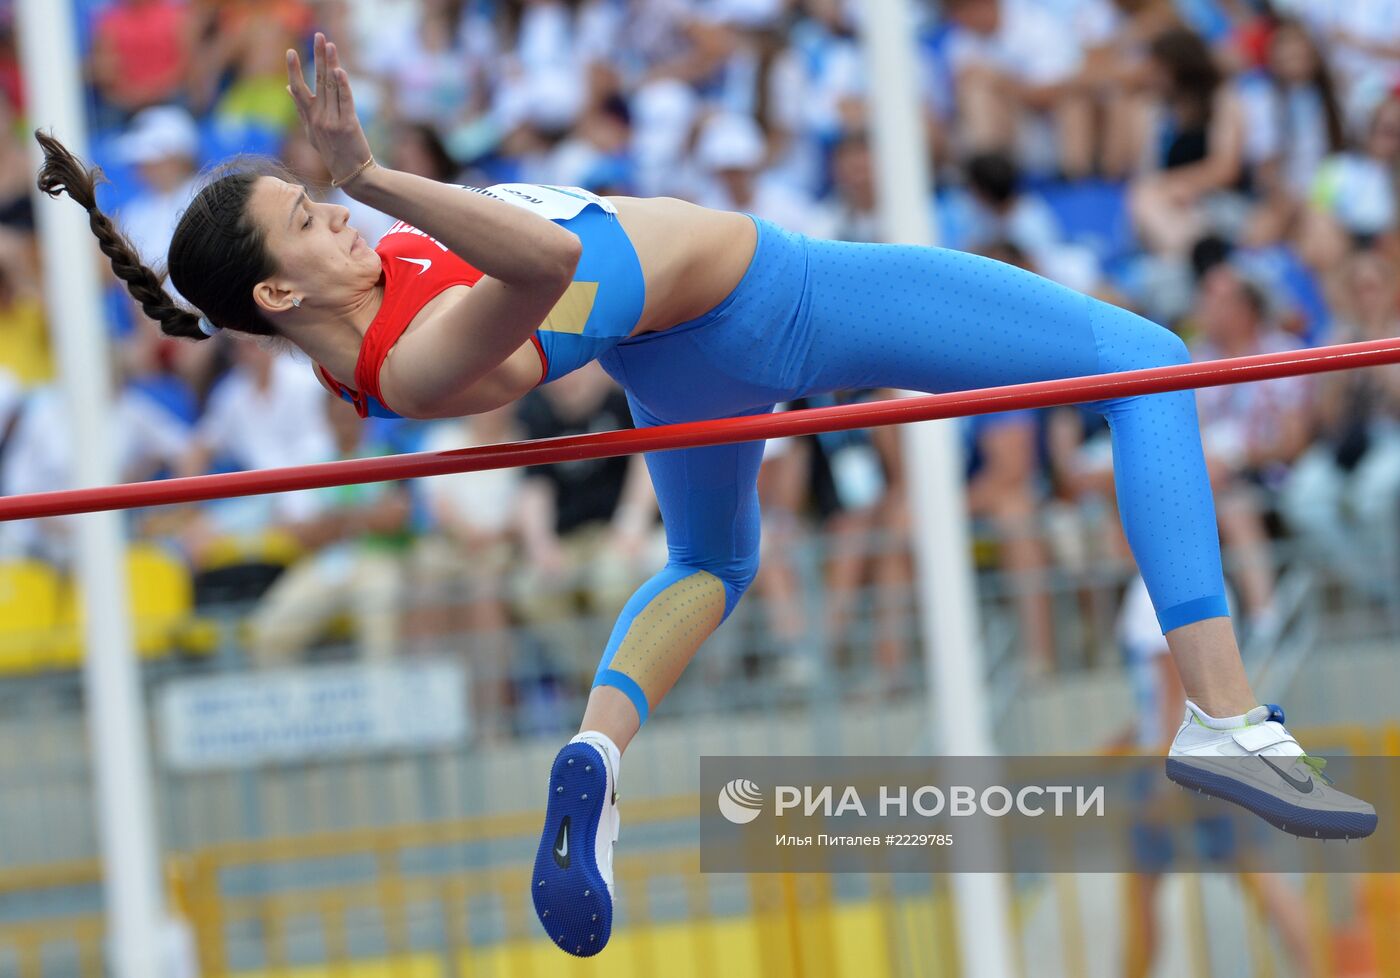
320,258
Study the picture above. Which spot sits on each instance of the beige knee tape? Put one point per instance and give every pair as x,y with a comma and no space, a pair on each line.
665,635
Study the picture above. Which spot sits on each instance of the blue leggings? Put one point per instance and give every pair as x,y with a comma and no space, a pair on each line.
813,316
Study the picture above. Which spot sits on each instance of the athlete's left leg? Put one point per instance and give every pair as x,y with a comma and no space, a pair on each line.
709,503
935,320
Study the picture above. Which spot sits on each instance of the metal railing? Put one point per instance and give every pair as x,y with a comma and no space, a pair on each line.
449,899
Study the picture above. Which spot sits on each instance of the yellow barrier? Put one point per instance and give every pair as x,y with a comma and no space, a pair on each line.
774,926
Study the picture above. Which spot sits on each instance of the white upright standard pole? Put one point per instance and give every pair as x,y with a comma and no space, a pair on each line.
116,722
945,584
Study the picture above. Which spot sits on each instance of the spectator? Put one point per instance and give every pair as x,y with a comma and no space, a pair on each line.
11,85
853,173
417,148
24,339
1002,489
850,476
815,91
265,413
463,562
141,53
1185,189
1252,433
247,40
16,175
1343,497
145,440
782,492
353,562
544,81
1293,122
433,67
997,209
1015,68
163,145
1122,72
731,151
1363,38
664,112
1353,197
595,155
587,526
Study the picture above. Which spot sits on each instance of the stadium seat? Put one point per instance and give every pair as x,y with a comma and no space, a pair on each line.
30,595
161,598
160,595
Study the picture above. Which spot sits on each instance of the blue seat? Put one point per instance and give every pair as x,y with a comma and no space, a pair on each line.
1093,213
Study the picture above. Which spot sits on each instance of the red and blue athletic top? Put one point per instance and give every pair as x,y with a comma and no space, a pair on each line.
598,310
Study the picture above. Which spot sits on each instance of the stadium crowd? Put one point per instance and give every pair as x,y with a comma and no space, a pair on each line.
1226,167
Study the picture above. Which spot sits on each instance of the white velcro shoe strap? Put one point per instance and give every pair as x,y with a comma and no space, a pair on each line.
1259,736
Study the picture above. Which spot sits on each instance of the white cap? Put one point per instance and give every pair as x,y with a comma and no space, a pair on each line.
744,14
730,141
159,133
553,98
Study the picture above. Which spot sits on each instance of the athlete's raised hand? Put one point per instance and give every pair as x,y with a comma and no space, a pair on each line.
329,113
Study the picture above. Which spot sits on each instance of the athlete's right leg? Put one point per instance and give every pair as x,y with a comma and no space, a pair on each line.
930,319
709,503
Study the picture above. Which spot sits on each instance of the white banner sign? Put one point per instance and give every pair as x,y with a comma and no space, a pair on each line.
311,712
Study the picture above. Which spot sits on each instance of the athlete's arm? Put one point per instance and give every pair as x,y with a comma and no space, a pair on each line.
470,350
518,249
435,369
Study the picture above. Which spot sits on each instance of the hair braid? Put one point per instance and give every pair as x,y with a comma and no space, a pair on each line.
63,172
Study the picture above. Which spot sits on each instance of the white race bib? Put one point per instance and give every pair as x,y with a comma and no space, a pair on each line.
551,203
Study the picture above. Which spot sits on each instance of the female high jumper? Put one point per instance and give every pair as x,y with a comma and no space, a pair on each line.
476,296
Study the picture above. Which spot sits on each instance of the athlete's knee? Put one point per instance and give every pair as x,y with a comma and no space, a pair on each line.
736,577
1166,349
1128,341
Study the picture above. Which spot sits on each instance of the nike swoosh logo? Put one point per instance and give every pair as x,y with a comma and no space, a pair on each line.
425,263
561,845
1304,786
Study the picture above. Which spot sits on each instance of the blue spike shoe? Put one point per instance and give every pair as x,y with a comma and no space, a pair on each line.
573,877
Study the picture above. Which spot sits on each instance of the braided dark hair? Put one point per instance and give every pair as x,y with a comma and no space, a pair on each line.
216,254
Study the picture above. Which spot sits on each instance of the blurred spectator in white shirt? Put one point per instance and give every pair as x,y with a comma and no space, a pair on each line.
1353,197
163,145
266,413
663,116
853,171
434,63
352,561
144,438
731,152
1015,65
816,90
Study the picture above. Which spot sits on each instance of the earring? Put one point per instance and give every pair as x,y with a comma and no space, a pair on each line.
296,302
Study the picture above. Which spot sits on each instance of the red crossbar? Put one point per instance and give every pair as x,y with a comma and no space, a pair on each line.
1049,393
